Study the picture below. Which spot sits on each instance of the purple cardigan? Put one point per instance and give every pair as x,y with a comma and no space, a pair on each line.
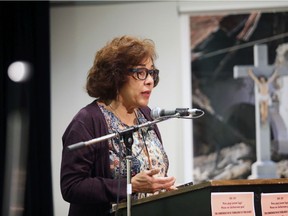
86,181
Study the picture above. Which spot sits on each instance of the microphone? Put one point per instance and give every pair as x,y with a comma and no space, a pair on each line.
158,112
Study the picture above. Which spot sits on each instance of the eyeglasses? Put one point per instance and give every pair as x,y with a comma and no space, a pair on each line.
142,73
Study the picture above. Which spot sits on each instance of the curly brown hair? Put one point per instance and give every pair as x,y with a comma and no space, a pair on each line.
109,71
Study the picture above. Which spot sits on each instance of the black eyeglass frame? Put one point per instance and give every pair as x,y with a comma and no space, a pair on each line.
153,72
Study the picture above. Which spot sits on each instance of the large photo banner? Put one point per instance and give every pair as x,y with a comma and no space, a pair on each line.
239,78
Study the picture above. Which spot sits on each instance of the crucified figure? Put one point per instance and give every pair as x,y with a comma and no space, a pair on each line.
263,88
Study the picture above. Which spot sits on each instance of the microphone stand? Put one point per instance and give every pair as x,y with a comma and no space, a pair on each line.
127,136
118,133
128,141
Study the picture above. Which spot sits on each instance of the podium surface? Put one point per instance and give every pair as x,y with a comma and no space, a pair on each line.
195,200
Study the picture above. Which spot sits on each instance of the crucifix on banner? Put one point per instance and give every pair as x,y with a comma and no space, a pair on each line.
262,74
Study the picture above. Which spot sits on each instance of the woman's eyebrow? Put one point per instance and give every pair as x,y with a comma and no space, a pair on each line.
145,65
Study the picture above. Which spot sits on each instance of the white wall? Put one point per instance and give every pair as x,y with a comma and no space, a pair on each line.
77,32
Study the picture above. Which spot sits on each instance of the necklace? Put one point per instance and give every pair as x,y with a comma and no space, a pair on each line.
114,111
128,122
140,136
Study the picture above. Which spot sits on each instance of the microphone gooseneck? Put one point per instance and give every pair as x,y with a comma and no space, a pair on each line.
178,112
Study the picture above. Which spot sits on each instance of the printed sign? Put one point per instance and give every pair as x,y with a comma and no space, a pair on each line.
234,204
274,204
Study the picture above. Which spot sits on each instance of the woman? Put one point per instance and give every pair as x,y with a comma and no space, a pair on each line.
121,79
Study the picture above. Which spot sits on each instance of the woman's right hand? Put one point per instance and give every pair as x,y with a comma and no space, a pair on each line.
147,182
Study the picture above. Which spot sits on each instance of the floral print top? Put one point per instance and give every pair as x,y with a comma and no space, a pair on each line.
147,150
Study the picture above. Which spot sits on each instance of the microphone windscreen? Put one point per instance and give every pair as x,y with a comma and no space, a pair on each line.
155,113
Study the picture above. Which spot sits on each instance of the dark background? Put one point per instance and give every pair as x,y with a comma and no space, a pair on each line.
24,36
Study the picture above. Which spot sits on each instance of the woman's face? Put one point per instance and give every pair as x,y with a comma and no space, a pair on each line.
136,93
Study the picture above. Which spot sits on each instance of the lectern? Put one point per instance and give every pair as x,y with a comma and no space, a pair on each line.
195,200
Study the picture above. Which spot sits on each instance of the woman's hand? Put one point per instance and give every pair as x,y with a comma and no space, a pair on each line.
147,182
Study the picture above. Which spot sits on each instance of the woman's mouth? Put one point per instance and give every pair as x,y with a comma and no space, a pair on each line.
146,94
